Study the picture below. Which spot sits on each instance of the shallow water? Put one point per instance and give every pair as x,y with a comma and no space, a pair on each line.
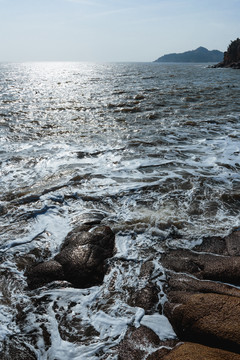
151,148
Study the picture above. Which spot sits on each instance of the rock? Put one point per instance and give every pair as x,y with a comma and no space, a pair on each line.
81,260
231,56
16,350
193,351
159,354
211,319
229,245
233,243
145,298
185,285
44,273
204,266
214,244
139,342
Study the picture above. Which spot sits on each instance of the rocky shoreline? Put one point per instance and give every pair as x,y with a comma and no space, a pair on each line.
231,57
203,305
201,289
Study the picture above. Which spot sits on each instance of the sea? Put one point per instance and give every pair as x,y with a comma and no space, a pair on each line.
150,149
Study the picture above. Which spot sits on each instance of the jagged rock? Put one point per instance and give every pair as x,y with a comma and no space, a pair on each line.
145,298
16,350
81,260
210,319
230,245
204,266
193,351
138,342
231,56
44,273
183,285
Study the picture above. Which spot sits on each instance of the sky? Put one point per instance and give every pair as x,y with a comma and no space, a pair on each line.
113,30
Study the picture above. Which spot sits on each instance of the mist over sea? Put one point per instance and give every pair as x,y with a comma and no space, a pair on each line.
152,149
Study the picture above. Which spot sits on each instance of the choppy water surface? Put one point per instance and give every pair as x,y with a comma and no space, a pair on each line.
152,148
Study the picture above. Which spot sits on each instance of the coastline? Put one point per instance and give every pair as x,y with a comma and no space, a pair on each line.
203,304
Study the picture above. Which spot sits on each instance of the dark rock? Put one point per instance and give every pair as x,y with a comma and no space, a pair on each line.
16,350
81,260
210,319
136,343
204,266
185,285
229,245
231,56
233,243
145,298
139,342
193,351
44,273
214,244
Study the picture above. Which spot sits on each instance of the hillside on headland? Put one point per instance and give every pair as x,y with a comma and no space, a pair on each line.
199,55
231,56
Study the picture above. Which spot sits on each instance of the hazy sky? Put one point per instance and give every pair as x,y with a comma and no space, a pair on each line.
113,30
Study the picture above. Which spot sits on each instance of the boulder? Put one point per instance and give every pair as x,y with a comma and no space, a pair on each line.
210,319
139,342
204,266
193,351
44,273
81,261
229,246
231,56
183,285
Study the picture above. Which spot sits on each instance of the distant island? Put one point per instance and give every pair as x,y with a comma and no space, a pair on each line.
200,55
231,56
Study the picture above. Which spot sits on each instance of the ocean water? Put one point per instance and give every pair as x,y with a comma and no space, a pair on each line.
152,149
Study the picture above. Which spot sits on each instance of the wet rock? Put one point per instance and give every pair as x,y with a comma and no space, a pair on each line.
145,298
193,351
136,343
229,245
15,350
210,319
143,343
3,210
199,308
159,354
183,285
233,243
81,260
44,273
214,244
204,266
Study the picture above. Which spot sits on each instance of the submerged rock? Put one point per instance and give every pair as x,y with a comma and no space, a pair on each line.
81,260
